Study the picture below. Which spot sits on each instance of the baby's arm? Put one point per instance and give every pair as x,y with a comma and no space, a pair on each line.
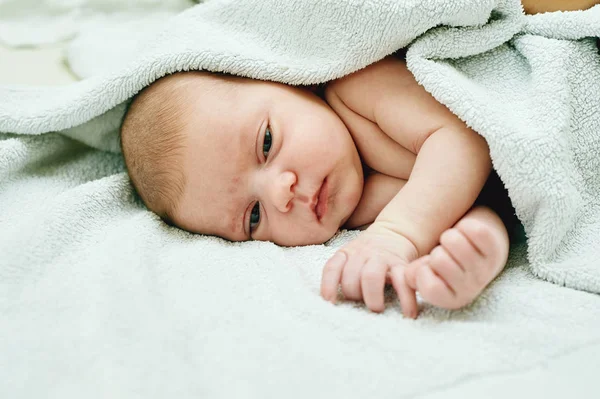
452,161
378,191
448,165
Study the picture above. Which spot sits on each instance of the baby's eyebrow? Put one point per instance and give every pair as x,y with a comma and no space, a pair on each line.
253,144
242,227
235,209
232,222
249,141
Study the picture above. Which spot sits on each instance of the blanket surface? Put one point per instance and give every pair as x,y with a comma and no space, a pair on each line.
98,296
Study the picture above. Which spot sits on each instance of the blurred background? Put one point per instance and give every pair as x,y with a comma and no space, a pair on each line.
34,66
49,42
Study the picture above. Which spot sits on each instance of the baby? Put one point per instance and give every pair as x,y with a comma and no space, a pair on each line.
246,159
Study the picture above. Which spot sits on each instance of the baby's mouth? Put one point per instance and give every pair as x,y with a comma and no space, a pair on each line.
321,205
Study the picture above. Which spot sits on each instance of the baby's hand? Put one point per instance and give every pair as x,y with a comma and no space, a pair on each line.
364,265
468,258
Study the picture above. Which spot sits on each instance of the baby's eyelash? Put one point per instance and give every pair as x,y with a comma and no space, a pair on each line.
257,207
267,141
266,145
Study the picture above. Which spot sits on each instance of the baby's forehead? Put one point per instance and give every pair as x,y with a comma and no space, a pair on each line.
222,124
216,84
196,83
217,208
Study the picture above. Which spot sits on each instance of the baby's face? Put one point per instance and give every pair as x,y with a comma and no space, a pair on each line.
266,161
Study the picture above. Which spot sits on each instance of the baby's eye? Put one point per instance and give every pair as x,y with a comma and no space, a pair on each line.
254,217
267,142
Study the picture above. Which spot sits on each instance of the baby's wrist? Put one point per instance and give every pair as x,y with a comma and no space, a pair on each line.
384,229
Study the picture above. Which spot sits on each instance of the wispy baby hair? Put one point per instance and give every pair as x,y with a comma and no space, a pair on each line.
152,140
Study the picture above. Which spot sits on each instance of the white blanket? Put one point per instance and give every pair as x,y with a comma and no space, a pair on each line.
99,298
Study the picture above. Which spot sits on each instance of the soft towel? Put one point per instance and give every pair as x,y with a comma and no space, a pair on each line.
99,297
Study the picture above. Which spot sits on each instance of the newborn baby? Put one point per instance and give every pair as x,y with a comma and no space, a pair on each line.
246,159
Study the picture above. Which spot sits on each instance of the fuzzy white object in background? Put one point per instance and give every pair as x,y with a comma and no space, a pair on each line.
37,22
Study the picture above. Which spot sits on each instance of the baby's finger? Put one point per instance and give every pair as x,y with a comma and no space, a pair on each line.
435,290
446,268
406,295
465,253
350,283
485,242
477,234
410,272
332,274
372,280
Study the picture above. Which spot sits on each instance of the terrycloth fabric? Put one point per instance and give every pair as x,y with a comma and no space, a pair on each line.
98,298
536,100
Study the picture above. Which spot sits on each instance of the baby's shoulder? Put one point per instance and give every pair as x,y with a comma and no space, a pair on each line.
362,90
372,77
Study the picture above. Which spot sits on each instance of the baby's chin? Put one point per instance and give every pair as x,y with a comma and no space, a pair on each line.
316,238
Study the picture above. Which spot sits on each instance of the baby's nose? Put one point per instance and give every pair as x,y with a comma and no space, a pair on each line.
284,190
